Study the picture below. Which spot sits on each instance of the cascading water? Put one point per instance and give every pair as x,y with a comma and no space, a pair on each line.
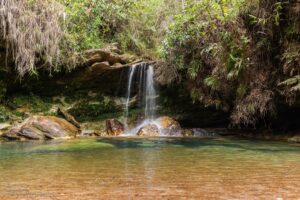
142,75
130,78
150,103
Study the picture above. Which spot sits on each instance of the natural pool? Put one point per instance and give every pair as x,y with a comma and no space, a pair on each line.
150,168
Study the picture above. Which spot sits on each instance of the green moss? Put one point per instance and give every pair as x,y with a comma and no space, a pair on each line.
31,103
4,114
96,108
2,89
76,145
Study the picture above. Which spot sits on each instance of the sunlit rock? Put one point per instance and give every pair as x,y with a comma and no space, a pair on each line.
114,127
92,133
169,126
12,134
42,127
150,130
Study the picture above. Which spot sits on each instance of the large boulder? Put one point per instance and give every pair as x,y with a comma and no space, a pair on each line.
42,127
150,130
169,126
114,127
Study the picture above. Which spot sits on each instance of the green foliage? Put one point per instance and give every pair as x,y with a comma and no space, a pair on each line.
205,42
31,103
293,83
212,82
4,114
147,22
136,25
100,108
230,51
277,12
90,24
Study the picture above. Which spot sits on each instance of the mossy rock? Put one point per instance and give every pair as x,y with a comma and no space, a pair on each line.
5,114
31,103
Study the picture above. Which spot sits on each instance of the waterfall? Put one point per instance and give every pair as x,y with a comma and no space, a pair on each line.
150,103
130,77
141,77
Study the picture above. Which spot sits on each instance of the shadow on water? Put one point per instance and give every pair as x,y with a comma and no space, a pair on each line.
221,143
102,144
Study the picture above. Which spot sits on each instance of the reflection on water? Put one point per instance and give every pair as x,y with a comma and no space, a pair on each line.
161,168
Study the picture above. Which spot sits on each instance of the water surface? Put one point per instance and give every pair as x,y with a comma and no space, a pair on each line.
162,168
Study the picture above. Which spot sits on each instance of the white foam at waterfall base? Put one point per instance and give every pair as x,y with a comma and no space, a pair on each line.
141,75
135,130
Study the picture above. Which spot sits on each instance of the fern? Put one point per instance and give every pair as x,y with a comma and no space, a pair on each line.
293,83
212,82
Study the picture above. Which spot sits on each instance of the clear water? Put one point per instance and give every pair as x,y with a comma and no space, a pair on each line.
160,168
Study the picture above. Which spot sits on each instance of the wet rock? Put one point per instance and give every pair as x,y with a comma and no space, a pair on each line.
42,127
150,130
93,133
114,127
187,132
169,126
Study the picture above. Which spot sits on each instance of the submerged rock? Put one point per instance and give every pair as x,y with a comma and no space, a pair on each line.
42,127
169,126
150,130
114,127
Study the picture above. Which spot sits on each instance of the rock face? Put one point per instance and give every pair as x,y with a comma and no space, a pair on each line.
101,70
42,127
114,127
150,130
169,126
107,55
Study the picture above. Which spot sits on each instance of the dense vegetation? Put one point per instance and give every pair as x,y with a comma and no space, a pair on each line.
240,56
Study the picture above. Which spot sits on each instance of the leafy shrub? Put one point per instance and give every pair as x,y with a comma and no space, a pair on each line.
229,52
90,24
